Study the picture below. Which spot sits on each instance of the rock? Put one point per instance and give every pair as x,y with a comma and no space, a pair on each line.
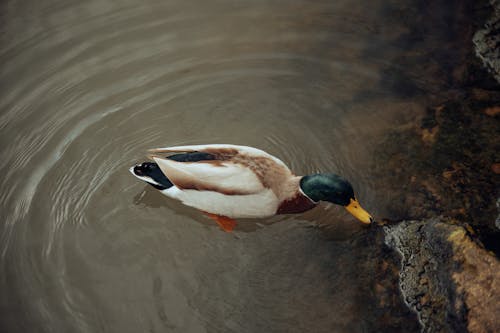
497,221
480,94
478,281
492,111
429,135
449,174
487,40
451,282
495,167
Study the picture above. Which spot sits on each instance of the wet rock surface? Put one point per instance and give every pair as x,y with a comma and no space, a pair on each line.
447,165
444,161
441,170
450,281
487,41
380,268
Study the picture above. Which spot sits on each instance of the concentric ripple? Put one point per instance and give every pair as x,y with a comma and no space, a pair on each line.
87,86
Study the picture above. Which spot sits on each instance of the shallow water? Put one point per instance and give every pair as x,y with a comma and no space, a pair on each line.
87,87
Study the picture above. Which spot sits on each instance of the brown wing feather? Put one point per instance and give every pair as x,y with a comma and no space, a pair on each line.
272,173
221,154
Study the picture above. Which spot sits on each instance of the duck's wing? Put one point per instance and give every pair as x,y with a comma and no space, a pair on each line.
219,151
227,169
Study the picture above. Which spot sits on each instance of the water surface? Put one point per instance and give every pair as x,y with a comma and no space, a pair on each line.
87,87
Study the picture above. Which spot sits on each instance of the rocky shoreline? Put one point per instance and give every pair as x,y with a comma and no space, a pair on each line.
487,42
445,277
445,182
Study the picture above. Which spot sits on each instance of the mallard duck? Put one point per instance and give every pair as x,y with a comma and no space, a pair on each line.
229,181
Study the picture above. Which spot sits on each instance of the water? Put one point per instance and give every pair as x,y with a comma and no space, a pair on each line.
86,87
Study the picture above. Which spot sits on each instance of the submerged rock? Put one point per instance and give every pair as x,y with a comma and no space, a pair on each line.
451,282
445,166
497,220
444,162
487,42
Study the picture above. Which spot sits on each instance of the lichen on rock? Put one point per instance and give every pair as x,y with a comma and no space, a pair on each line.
450,281
478,281
487,42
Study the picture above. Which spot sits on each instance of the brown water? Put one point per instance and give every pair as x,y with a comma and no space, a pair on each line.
87,86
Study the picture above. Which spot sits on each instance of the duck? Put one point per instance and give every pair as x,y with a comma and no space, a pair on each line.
227,182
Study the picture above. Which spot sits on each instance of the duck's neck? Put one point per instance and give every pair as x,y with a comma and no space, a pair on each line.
290,188
296,201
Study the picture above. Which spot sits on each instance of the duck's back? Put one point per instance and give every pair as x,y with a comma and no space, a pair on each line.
230,180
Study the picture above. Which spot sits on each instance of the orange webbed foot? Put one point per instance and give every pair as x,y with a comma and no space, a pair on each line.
227,224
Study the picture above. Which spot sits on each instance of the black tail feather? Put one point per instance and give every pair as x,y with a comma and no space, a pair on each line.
152,170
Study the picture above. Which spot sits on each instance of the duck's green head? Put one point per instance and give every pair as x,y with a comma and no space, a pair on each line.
335,189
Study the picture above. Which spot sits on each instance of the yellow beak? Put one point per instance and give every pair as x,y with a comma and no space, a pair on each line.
355,209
